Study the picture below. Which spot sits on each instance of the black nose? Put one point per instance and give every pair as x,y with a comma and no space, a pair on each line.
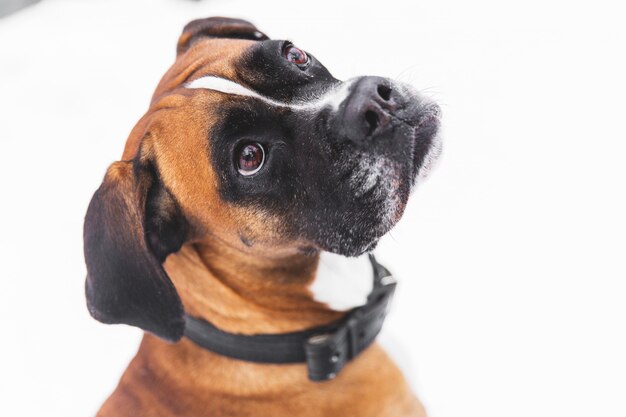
368,109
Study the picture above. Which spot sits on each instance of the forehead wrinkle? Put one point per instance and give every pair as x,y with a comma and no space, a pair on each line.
223,85
226,86
217,56
206,56
332,97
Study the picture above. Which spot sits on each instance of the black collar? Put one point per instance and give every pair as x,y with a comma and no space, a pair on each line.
325,349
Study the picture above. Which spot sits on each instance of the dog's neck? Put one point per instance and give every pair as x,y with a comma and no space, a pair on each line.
246,293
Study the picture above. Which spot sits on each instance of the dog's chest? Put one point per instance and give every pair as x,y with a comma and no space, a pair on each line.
341,282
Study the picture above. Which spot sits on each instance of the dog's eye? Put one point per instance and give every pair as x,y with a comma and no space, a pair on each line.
250,159
295,55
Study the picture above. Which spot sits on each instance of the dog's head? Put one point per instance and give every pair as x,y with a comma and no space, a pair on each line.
252,142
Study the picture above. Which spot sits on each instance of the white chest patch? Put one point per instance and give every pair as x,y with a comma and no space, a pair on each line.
341,282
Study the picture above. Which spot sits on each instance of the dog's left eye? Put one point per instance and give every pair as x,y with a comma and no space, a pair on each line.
296,55
250,159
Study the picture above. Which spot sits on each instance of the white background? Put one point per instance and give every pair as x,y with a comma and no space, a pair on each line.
511,257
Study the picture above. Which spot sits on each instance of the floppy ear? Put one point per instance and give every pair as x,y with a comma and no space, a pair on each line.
217,27
131,225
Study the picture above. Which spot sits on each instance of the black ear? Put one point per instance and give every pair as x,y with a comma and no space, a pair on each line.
218,27
131,225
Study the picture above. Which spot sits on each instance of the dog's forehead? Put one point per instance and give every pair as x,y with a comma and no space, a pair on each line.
263,74
249,68
213,72
218,57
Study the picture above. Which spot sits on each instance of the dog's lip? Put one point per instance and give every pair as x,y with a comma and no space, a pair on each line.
425,131
430,114
422,118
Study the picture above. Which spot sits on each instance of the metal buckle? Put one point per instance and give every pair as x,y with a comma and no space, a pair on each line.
323,357
327,353
352,337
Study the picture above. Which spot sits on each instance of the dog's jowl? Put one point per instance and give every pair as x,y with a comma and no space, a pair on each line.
251,170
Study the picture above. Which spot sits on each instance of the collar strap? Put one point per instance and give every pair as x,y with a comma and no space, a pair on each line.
325,349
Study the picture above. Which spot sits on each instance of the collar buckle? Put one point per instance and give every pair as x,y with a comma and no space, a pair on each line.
327,353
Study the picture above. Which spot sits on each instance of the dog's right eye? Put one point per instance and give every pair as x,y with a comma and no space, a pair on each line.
296,56
250,159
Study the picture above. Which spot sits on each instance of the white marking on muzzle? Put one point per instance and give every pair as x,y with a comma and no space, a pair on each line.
331,98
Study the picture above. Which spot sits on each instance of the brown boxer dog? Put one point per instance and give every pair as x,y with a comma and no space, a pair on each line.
251,161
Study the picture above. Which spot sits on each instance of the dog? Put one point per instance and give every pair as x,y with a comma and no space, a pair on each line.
251,164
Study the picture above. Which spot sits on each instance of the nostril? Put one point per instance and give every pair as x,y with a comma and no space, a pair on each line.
384,92
372,120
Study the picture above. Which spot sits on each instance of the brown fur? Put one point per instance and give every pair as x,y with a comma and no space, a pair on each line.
257,289
182,379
